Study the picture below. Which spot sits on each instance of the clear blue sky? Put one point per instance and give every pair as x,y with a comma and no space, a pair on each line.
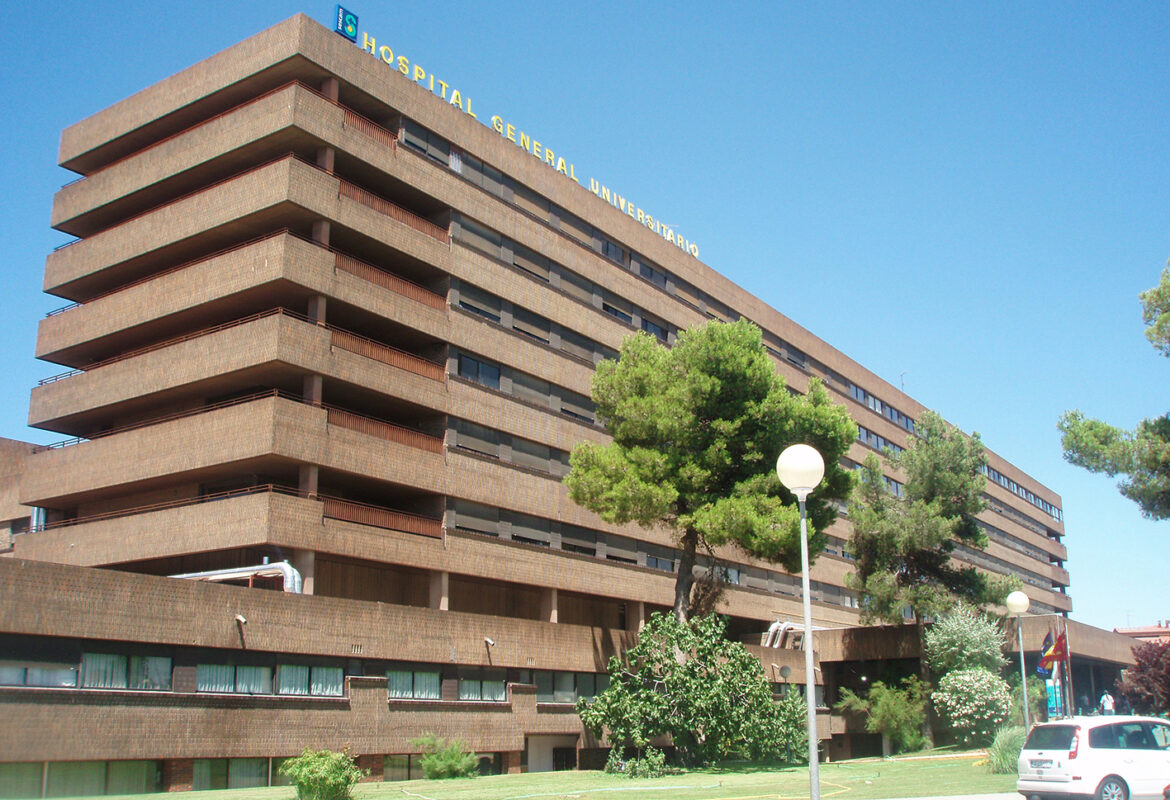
969,194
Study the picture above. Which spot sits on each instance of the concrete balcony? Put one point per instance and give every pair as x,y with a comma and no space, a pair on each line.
282,194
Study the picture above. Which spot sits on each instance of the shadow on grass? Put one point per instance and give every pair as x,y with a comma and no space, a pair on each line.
749,767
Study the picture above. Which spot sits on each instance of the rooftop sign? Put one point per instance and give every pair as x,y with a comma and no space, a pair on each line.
346,24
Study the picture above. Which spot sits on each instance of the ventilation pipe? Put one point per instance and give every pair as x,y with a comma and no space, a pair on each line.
281,569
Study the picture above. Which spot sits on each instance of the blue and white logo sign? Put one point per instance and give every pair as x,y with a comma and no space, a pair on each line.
346,24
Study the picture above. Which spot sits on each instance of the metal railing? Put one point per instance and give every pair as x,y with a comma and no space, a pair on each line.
385,207
386,354
375,516
387,280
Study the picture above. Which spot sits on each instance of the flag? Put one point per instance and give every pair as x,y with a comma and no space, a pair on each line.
1057,651
1045,651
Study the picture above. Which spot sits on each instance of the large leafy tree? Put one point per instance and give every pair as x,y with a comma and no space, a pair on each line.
1146,685
696,431
1141,454
686,681
904,545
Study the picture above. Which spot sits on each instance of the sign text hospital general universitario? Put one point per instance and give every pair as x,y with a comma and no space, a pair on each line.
346,25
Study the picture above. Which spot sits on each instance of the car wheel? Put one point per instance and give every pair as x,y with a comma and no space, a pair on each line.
1113,788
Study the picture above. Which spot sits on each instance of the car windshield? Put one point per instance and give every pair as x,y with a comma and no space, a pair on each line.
1051,737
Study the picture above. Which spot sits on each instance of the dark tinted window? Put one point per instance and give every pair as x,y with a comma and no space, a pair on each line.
1051,737
1107,737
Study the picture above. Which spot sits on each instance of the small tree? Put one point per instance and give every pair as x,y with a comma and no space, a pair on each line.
964,639
322,774
686,681
696,432
897,714
793,741
975,702
1146,685
445,759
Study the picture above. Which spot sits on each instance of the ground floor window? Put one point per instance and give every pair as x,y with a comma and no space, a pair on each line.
229,773
401,768
79,778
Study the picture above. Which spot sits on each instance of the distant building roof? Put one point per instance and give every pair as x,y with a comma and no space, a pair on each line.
1148,633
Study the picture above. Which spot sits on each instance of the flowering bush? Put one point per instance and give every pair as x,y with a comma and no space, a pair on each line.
976,702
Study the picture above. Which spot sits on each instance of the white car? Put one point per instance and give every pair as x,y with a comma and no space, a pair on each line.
1107,758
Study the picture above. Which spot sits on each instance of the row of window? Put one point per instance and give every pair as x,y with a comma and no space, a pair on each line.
508,448
996,476
1004,538
894,487
517,527
980,558
525,387
502,248
881,407
96,671
288,679
97,778
876,441
534,326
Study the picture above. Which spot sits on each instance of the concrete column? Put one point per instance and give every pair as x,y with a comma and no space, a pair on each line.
316,309
330,88
313,389
440,591
321,232
635,615
548,605
325,158
305,562
307,480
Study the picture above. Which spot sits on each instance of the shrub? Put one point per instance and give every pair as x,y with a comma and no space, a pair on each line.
964,639
1004,753
975,702
445,759
651,764
322,774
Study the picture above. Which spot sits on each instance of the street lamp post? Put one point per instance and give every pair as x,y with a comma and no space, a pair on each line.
800,468
1017,603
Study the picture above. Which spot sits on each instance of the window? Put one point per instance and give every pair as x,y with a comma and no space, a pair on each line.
479,302
654,328
531,262
227,678
479,371
399,768
534,390
566,687
111,671
475,235
578,287
299,679
476,438
577,406
618,307
576,344
531,454
576,227
613,251
414,684
17,673
486,685
429,144
531,325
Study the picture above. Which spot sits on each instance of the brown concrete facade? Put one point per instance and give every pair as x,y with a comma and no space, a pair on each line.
296,333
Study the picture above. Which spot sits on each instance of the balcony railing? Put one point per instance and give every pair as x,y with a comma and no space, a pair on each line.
333,508
362,514
383,206
360,269
340,338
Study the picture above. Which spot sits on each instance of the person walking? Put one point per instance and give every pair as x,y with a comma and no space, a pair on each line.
1107,704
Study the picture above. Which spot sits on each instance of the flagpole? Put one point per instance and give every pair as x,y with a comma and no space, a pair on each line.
1068,665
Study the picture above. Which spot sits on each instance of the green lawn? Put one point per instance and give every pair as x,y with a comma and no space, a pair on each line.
855,780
